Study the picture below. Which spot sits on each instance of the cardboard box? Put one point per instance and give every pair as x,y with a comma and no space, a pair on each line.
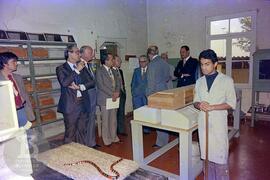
19,51
47,115
172,98
44,100
42,84
40,53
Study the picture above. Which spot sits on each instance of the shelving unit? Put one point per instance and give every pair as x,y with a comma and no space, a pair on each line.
40,68
260,83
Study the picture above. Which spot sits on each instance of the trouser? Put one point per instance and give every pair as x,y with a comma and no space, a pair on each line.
22,117
109,125
90,138
121,113
75,126
218,171
162,138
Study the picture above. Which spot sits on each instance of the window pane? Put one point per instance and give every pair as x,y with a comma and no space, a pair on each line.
219,27
242,24
219,46
240,72
241,48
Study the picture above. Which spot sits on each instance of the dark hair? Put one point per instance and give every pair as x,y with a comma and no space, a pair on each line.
69,49
5,57
185,47
209,54
103,55
153,50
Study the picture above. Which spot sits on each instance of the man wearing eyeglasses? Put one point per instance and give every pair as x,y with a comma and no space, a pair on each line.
74,100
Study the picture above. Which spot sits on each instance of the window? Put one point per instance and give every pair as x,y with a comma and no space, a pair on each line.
233,38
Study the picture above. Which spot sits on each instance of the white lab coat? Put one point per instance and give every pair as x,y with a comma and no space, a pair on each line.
222,91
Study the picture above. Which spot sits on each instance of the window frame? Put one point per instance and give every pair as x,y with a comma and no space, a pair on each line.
229,36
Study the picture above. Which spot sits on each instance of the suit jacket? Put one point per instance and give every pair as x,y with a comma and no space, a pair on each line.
92,92
24,95
138,83
190,68
105,87
66,76
120,78
158,74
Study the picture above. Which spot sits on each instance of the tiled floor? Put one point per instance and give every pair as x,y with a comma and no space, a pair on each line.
249,154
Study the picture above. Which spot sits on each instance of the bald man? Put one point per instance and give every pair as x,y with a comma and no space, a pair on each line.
87,55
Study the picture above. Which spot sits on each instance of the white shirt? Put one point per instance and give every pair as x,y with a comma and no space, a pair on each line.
143,70
82,87
185,60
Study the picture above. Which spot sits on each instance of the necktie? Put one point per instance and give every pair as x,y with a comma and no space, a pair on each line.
112,77
143,72
77,79
91,71
18,99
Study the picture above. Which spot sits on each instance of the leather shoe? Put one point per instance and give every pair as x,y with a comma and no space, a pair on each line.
96,146
156,146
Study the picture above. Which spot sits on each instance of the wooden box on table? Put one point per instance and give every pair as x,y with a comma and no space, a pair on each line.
172,98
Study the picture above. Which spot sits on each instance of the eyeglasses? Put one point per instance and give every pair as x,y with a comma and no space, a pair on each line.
142,61
77,52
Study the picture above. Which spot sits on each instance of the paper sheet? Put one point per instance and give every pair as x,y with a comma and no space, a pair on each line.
112,105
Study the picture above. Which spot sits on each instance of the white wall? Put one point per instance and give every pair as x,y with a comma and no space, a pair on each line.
89,21
172,23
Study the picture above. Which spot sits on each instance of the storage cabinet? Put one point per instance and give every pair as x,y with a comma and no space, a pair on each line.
37,63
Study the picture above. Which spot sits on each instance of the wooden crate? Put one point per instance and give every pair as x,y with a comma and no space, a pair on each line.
42,84
40,53
44,100
19,51
173,98
47,115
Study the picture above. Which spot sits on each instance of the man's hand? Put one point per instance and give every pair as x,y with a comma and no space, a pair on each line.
80,65
115,95
205,106
74,86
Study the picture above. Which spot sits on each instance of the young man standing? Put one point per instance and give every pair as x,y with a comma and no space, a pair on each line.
215,94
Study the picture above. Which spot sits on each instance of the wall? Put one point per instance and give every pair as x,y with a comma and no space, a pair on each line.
90,21
172,23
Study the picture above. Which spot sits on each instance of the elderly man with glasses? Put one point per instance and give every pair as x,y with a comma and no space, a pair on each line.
74,100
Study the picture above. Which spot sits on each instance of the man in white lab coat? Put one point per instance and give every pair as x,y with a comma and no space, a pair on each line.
215,94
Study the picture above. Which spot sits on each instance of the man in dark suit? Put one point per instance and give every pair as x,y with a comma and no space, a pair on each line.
74,80
8,65
87,55
158,74
186,68
121,130
108,87
139,83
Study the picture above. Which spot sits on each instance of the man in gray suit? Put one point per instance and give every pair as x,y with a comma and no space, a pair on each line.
87,55
158,74
8,65
108,87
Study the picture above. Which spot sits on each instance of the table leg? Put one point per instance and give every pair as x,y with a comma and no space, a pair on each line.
185,150
137,142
